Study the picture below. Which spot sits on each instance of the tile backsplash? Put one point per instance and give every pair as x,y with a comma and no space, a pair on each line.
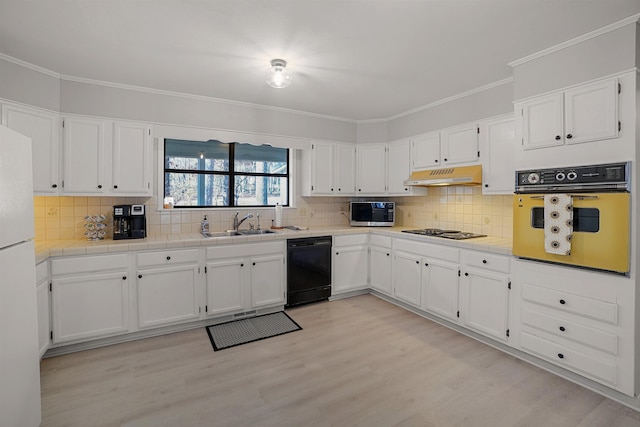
462,208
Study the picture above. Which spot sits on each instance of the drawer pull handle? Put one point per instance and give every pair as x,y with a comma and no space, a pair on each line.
562,328
560,356
168,258
563,302
484,261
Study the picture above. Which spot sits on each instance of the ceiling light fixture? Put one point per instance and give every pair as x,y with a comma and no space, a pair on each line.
278,75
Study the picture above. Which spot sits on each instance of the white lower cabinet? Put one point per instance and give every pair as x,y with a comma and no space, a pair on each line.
350,263
89,297
167,287
380,264
440,287
484,294
44,306
407,277
245,277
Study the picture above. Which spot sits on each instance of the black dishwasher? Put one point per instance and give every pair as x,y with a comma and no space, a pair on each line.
308,270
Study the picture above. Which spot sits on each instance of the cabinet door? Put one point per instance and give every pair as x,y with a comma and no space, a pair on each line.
43,130
372,168
460,145
267,281
226,286
407,278
398,167
131,159
346,169
542,122
425,151
591,112
322,168
167,295
42,294
497,153
484,302
83,156
440,287
86,307
350,268
380,269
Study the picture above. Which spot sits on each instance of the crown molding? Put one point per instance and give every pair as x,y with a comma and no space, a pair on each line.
30,66
577,40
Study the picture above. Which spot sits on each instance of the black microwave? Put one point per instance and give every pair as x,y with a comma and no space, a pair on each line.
372,214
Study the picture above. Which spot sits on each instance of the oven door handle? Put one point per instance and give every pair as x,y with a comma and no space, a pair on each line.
575,196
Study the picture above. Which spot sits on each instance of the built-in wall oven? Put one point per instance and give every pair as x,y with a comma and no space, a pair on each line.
578,216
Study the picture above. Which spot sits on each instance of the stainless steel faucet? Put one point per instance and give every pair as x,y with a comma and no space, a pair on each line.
237,223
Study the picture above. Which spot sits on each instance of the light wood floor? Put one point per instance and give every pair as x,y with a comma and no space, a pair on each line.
358,362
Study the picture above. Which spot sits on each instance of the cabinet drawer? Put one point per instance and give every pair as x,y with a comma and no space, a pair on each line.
88,264
486,261
571,303
147,259
429,250
601,340
383,241
42,271
351,240
579,361
235,251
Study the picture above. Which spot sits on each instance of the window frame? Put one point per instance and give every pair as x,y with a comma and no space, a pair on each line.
231,174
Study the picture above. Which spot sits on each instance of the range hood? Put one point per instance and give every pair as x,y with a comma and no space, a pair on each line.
462,175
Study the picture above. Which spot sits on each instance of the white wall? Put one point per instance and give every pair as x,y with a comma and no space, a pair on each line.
28,86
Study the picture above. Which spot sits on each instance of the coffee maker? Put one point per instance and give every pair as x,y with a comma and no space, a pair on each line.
129,222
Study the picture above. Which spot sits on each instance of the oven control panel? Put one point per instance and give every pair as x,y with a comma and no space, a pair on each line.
612,176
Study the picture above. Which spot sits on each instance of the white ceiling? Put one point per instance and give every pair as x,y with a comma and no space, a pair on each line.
354,59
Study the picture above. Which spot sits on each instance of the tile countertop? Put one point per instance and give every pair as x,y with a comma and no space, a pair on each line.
46,249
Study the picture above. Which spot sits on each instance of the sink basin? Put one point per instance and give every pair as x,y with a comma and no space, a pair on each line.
227,233
245,232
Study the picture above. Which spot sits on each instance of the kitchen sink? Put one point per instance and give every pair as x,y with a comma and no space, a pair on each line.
245,232
227,233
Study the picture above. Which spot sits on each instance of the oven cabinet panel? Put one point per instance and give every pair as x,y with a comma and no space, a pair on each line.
484,302
605,245
440,288
407,277
350,264
167,295
579,320
267,280
380,263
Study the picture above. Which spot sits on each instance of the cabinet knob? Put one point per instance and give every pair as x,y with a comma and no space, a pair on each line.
417,262
242,265
486,186
484,261
558,137
124,277
562,329
563,302
426,264
54,186
99,185
406,189
466,274
168,258
139,276
332,189
254,263
387,254
436,160
339,189
560,356
337,253
115,186
444,160
569,136
359,189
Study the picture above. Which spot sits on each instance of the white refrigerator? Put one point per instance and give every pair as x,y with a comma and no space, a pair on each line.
19,356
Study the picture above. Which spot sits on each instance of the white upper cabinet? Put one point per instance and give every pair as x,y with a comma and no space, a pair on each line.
84,156
131,171
399,169
447,147
497,148
459,144
425,151
43,129
345,171
371,168
322,166
582,114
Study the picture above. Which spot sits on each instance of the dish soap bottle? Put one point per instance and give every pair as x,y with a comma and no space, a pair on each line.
205,225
